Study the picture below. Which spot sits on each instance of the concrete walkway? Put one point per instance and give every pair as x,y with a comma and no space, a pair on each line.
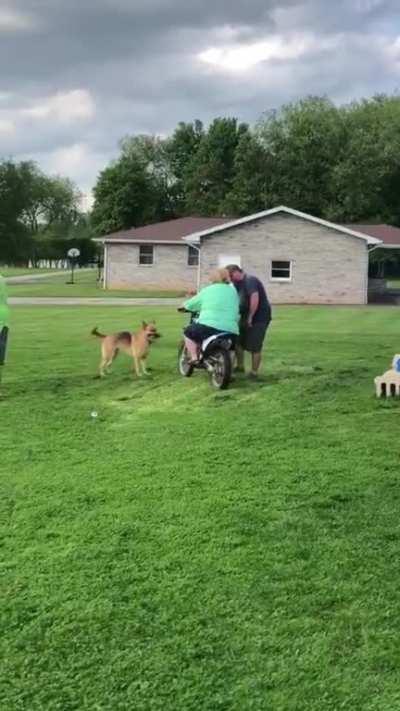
67,301
29,278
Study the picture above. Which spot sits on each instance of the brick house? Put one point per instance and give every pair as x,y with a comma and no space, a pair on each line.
299,258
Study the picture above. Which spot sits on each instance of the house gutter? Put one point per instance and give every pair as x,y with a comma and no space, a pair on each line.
105,266
195,246
377,246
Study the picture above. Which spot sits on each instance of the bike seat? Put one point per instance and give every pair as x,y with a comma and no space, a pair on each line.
210,339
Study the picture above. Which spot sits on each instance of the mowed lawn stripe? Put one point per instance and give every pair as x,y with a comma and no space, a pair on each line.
187,549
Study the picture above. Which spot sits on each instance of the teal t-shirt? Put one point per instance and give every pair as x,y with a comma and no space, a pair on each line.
218,307
4,312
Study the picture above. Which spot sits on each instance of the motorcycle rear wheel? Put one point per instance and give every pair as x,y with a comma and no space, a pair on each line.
221,370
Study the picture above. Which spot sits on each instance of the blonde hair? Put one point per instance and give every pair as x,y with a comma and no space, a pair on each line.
220,276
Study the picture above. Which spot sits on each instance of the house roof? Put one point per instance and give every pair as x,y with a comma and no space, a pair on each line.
197,237
193,229
169,232
388,235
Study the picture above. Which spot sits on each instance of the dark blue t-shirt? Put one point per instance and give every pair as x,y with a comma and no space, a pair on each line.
248,286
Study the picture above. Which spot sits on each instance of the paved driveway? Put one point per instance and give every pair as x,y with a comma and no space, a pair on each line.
71,301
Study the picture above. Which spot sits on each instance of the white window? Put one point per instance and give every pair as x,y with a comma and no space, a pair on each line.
193,257
225,259
281,270
146,255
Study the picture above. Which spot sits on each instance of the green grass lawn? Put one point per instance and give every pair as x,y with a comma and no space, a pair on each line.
194,550
86,285
393,283
22,271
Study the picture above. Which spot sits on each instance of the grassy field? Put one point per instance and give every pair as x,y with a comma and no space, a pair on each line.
187,549
86,285
22,271
393,283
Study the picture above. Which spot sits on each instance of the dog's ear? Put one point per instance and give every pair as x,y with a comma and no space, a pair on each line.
144,324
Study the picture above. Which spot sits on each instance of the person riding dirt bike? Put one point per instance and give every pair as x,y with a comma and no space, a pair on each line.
212,331
217,306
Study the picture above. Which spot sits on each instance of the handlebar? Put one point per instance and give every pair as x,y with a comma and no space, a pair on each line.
182,310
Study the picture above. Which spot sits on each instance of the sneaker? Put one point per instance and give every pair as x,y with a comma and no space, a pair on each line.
253,376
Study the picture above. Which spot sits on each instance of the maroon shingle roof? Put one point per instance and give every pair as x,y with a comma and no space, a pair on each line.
386,233
176,230
169,231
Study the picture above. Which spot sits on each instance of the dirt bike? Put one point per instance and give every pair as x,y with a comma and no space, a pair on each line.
214,357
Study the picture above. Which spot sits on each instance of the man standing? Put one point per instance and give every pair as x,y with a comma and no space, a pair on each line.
3,324
255,317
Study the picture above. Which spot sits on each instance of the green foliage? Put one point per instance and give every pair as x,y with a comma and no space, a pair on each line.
384,263
188,550
341,163
250,192
304,142
211,172
122,197
366,180
181,150
33,205
133,190
15,239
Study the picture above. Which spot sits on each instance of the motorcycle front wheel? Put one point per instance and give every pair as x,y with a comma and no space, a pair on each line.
184,366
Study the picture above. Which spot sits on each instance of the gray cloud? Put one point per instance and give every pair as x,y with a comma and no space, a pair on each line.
104,68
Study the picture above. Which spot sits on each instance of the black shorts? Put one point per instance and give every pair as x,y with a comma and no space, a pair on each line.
3,344
252,337
198,332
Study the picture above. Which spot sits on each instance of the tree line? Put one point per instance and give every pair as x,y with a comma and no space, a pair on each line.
337,162
40,216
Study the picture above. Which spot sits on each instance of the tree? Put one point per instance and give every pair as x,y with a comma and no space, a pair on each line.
51,200
384,263
31,204
252,176
136,188
152,153
181,149
366,181
14,235
123,197
305,141
210,174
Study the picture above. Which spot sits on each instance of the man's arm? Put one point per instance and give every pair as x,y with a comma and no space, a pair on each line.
253,306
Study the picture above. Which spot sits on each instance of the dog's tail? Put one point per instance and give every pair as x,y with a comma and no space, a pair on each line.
96,333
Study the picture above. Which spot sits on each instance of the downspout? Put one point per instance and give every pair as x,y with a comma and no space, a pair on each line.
198,266
105,266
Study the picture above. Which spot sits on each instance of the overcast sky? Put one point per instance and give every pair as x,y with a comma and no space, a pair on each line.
77,75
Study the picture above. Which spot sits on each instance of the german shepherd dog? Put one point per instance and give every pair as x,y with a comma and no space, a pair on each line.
136,345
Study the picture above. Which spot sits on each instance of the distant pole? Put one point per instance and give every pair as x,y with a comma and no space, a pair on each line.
72,255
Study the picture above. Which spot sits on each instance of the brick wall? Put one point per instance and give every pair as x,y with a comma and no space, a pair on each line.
327,267
169,271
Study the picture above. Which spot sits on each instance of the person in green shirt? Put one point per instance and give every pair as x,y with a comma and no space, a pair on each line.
217,306
4,319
